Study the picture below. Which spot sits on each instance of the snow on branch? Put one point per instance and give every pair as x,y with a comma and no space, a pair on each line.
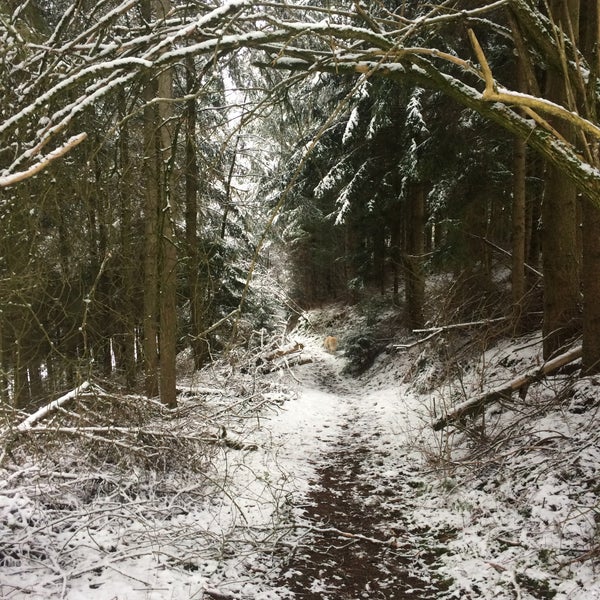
91,71
52,406
493,93
7,180
476,405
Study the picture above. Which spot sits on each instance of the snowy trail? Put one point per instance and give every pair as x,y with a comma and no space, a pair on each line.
357,543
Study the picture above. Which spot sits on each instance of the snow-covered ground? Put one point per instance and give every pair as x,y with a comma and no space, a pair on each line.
506,511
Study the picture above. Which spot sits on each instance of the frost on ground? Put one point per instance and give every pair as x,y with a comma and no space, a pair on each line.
279,476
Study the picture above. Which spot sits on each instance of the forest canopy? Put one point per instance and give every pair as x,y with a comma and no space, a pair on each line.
151,150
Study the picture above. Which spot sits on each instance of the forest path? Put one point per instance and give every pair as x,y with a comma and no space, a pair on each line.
359,542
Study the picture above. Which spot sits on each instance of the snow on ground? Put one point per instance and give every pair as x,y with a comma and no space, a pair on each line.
510,511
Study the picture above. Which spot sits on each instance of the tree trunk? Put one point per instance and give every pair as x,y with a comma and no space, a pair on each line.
395,221
518,216
4,365
168,249
152,193
590,43
413,259
591,288
198,345
534,214
20,384
124,346
559,217
379,248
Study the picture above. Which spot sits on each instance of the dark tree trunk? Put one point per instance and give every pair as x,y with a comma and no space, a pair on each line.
413,258
124,341
167,278
379,257
395,221
198,344
590,43
151,174
518,216
559,217
591,288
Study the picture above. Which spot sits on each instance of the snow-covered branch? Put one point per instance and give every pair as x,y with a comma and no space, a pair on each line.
318,40
494,93
8,180
39,414
476,405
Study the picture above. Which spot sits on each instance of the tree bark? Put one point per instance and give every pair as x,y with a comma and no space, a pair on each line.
168,249
197,344
590,43
518,216
413,259
152,193
559,215
379,252
395,221
124,347
591,289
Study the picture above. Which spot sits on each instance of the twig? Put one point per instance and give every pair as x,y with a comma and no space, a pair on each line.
354,536
594,551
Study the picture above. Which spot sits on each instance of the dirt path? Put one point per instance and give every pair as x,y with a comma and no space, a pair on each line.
358,544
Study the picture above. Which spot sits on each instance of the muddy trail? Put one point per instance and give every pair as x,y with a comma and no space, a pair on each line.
359,541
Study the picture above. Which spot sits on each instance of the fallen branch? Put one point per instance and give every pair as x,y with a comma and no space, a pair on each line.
218,595
8,436
100,433
417,342
475,405
460,325
433,331
284,351
356,536
294,361
506,253
39,414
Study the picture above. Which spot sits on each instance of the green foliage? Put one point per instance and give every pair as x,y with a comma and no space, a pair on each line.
360,351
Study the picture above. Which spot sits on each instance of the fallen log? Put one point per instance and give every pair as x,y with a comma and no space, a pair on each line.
293,361
433,331
475,406
39,414
283,351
